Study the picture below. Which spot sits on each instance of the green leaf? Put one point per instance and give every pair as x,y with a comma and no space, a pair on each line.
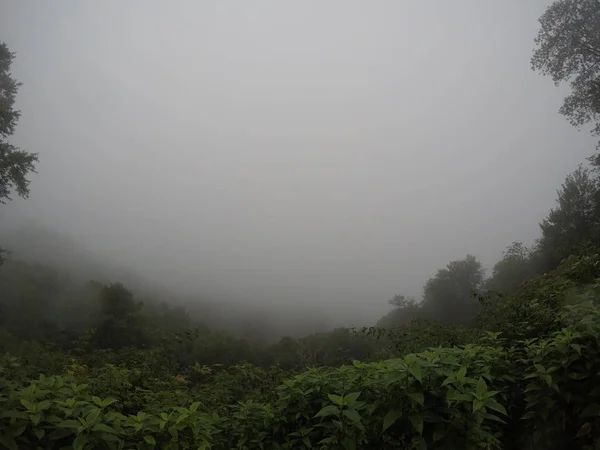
462,372
493,404
417,422
390,418
477,405
576,347
150,440
97,400
92,417
194,406
27,404
39,433
80,441
74,424
329,410
41,406
351,398
352,415
108,401
104,428
417,397
455,396
528,415
306,441
338,400
415,370
448,380
481,387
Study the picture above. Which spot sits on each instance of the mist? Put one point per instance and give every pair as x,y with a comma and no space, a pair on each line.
287,157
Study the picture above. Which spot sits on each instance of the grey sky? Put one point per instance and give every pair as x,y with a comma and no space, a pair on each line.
331,153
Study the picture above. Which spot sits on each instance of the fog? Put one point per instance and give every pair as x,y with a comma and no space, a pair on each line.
288,155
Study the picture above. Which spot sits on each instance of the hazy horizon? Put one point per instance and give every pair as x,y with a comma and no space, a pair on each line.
288,154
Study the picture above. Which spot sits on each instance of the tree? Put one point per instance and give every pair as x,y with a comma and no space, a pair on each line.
568,50
15,164
450,293
575,222
120,323
515,267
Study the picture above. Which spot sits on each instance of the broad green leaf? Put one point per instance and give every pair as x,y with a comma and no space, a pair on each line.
481,387
41,406
456,396
39,433
74,424
493,417
27,404
97,400
306,442
108,401
417,397
194,406
80,441
415,370
351,398
460,375
150,440
103,428
329,410
417,422
338,400
477,405
390,418
528,415
92,417
448,380
493,404
352,415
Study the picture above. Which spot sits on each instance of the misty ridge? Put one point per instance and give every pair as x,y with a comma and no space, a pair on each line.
223,228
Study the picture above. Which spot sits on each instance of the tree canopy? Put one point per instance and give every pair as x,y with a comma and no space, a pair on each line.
568,50
15,164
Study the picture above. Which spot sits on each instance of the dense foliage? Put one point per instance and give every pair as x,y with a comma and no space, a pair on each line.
495,392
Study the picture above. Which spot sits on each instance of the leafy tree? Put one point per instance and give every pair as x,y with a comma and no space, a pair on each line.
15,164
120,324
568,50
515,267
575,222
450,293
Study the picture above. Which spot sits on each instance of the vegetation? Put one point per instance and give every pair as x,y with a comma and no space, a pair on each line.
15,164
504,362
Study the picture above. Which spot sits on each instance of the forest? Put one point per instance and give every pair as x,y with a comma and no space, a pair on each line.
507,360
